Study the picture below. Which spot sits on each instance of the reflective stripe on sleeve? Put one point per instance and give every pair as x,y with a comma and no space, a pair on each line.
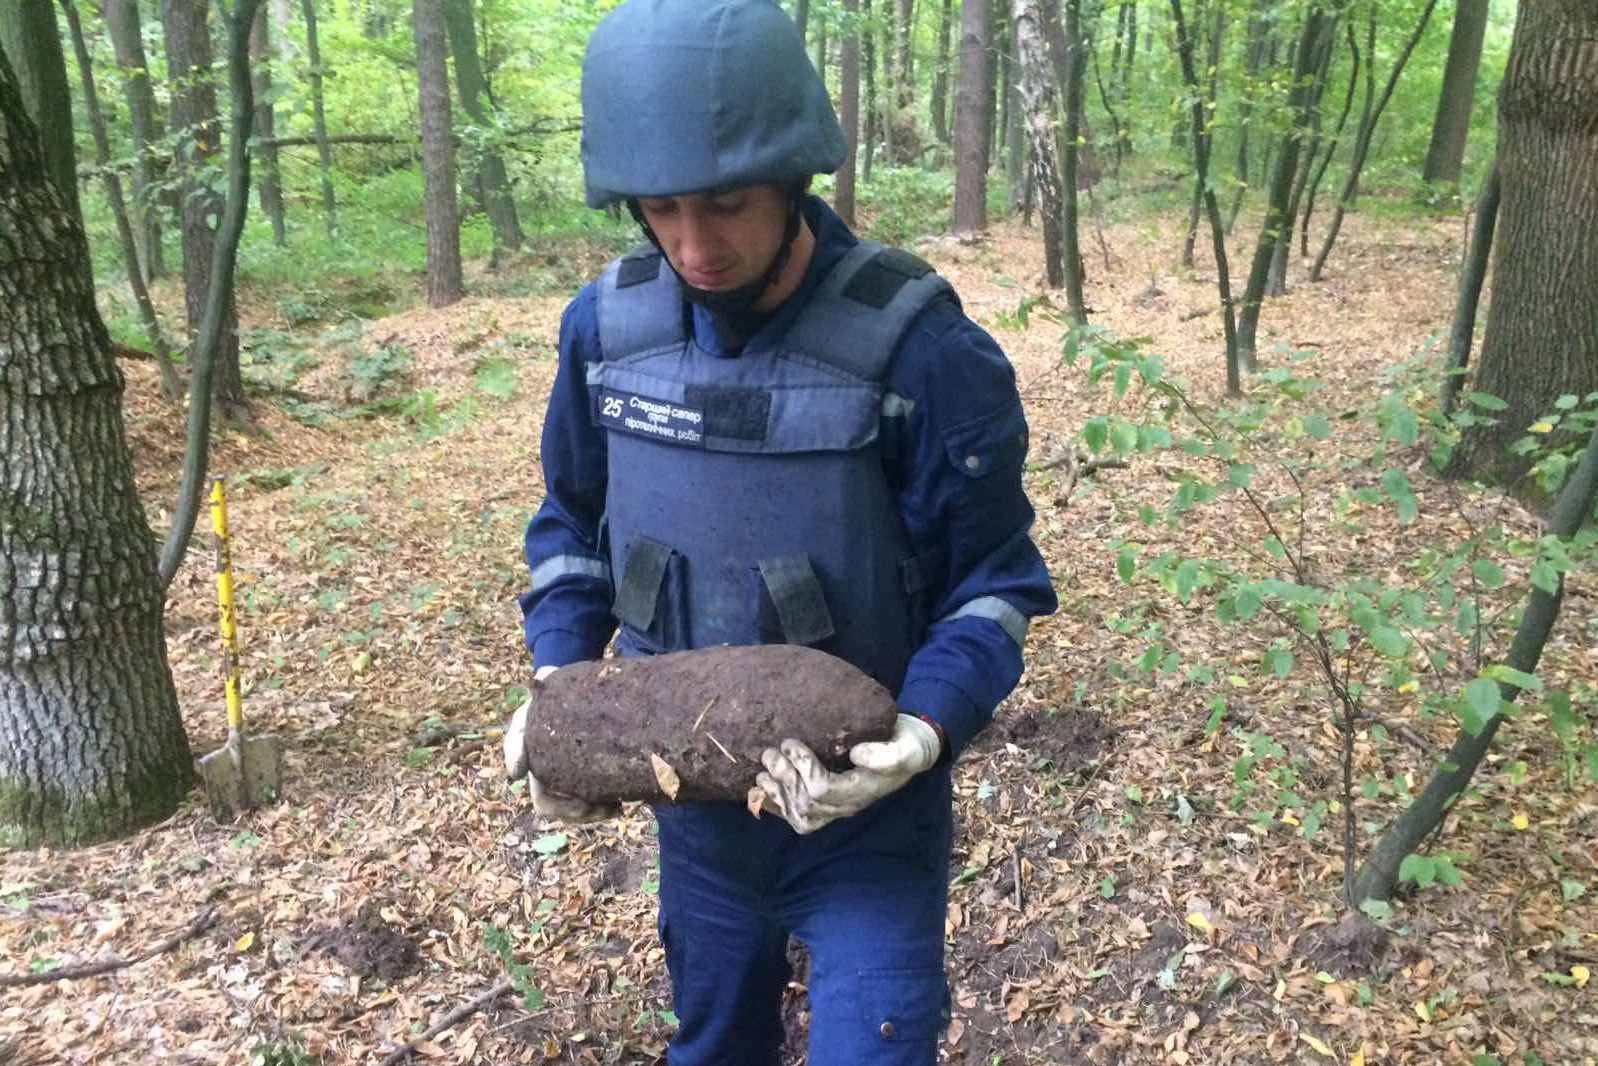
1010,620
559,566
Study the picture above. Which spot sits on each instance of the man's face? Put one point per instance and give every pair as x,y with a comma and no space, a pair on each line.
719,240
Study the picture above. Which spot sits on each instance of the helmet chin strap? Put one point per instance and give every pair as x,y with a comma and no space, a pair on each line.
736,305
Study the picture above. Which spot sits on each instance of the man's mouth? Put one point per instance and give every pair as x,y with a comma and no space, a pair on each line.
708,279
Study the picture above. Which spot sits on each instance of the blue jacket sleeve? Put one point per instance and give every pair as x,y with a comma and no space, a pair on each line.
566,611
955,445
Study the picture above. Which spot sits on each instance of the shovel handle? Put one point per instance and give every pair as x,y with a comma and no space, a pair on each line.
224,599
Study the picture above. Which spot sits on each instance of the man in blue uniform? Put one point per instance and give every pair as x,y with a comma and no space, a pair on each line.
764,430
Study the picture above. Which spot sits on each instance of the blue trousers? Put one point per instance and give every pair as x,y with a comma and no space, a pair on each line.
867,895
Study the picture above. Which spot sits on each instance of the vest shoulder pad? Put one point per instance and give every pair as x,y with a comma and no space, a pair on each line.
857,318
640,305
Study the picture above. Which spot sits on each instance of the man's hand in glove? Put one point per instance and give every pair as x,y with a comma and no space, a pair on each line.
809,796
548,804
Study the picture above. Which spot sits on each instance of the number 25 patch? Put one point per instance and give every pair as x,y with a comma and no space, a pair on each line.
646,416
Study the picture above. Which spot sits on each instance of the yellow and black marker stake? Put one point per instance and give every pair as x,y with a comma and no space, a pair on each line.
246,771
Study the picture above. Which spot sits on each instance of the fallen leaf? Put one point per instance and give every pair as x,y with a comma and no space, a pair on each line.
1520,822
666,777
1358,1057
1581,974
1018,1005
955,1031
244,943
1319,1045
1201,923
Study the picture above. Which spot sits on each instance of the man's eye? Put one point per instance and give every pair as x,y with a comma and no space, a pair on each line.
727,207
663,207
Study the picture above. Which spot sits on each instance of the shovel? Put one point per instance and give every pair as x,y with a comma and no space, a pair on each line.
246,771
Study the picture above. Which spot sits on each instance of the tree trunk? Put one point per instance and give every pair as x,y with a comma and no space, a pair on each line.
1071,248
261,58
938,100
491,182
1332,142
1316,24
1253,61
171,385
868,72
904,29
1463,332
1212,66
28,35
1202,142
971,121
1378,875
1036,87
122,24
444,285
188,51
1540,342
1015,164
821,52
1276,283
324,154
91,742
1362,140
1452,125
848,114
801,18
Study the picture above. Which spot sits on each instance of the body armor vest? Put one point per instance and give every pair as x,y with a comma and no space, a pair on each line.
747,499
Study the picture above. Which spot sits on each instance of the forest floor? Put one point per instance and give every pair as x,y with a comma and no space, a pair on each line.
1110,901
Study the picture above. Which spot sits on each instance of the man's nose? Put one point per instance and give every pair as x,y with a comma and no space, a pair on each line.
697,243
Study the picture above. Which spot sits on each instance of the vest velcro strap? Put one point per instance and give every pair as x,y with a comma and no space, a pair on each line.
797,596
642,576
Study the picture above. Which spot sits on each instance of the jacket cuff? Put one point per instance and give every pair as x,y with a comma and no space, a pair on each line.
560,647
949,711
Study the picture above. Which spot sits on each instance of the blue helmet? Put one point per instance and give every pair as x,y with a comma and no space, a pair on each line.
687,95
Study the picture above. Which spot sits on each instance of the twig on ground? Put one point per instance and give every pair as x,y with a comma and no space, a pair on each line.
111,965
1082,795
454,1017
1015,872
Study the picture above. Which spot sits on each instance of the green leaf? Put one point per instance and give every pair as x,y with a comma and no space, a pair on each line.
1396,483
1240,474
1123,379
1186,579
1094,434
550,844
1486,401
1483,697
1217,713
1545,577
1279,661
1107,886
1572,890
1519,678
1317,427
1488,572
1390,642
1247,601
1123,437
1126,564
1377,910
496,378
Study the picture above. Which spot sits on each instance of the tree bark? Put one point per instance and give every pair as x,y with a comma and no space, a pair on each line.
211,335
1362,141
1540,341
1036,87
262,55
91,742
1451,127
971,115
1316,24
1472,278
868,74
28,35
1212,67
122,24
491,181
1253,61
1203,141
1378,875
1071,248
801,18
1276,283
188,48
1015,165
171,385
938,99
1332,142
444,285
848,114
324,154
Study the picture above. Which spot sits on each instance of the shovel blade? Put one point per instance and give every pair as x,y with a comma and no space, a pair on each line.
245,772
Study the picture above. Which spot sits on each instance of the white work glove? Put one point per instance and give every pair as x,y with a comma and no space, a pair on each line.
809,796
549,805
